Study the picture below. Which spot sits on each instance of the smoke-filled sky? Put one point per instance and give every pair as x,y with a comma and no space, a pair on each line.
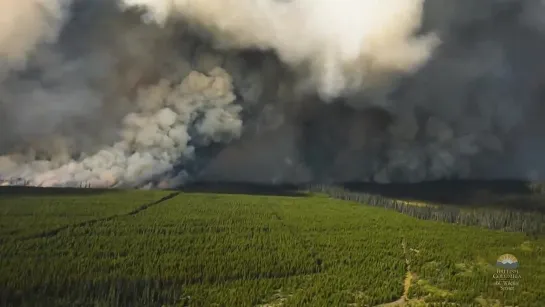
156,93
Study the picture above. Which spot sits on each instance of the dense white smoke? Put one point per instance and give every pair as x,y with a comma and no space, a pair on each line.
345,44
153,137
157,92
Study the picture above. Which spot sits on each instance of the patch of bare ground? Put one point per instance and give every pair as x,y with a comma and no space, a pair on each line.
278,300
404,299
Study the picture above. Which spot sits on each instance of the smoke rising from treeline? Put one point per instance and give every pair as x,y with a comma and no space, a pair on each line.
155,93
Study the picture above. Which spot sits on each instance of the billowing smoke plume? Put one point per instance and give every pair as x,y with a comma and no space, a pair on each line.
26,25
155,93
345,44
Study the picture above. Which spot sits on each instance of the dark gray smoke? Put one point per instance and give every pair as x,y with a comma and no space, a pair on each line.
155,93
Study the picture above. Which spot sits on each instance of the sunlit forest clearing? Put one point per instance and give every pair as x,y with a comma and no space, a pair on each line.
126,248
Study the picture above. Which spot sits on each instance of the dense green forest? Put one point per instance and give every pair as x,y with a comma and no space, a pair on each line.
153,248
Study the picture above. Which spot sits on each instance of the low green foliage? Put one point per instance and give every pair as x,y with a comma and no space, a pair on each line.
237,250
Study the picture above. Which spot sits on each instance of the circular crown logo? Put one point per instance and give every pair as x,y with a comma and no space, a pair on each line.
507,261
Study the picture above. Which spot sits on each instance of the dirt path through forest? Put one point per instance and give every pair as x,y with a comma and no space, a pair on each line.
406,282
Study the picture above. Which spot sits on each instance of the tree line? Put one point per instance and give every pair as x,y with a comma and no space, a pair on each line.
531,223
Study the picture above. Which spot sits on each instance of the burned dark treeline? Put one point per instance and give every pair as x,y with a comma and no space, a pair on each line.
517,195
243,188
531,223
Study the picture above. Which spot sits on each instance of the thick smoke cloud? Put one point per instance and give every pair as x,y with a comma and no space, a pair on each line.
25,25
156,93
111,102
344,44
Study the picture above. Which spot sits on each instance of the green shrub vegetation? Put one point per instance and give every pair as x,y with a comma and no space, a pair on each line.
240,250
